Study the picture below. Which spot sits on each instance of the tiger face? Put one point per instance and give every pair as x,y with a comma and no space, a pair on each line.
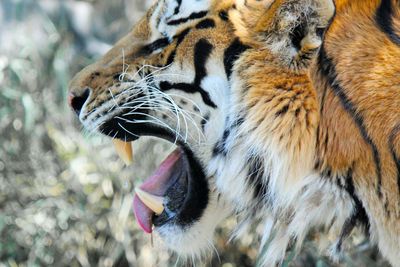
195,72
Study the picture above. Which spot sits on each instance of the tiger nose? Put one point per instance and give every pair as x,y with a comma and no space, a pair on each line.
77,99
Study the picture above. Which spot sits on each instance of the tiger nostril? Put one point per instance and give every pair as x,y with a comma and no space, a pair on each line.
76,101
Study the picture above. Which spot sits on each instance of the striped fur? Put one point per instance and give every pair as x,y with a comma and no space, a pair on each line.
292,112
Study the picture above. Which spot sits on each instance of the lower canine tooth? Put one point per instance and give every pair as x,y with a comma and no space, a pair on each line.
155,203
124,150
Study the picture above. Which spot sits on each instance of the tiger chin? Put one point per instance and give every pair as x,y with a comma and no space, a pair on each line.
284,112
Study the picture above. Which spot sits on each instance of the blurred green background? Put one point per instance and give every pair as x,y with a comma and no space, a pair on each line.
65,197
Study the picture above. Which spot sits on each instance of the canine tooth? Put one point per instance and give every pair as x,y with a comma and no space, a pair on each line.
155,203
124,150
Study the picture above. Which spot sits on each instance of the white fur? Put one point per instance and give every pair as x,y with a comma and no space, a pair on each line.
197,240
188,7
297,199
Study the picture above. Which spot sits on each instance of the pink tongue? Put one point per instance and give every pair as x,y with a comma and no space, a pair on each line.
155,185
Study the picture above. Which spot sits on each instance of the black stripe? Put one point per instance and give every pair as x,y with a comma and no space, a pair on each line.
179,39
204,121
171,57
282,111
196,15
328,70
188,88
219,148
395,157
206,24
232,53
202,52
359,215
384,19
256,176
178,8
181,36
224,15
238,122
345,232
150,48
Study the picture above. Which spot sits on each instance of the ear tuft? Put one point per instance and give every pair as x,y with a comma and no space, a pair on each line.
293,29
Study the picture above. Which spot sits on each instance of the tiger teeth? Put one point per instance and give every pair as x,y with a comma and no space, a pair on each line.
155,203
124,150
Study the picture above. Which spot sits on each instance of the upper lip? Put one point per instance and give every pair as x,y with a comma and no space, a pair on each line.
120,129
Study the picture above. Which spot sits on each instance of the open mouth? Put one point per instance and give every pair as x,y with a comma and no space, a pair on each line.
176,193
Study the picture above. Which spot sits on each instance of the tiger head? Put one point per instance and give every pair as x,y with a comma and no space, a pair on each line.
182,74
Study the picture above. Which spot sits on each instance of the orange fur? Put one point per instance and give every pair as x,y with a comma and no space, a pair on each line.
367,70
346,128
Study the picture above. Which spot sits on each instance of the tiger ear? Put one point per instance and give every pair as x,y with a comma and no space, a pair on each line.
293,29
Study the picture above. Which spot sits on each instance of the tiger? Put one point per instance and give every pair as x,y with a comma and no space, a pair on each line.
284,112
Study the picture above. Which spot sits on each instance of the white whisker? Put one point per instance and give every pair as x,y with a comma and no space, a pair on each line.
156,122
119,124
143,95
